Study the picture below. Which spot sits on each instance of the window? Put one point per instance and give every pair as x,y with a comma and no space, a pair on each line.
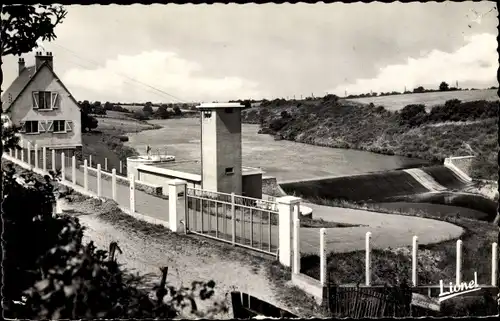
207,114
59,126
229,170
31,127
45,100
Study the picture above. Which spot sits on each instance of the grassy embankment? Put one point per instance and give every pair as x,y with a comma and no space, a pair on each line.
107,141
444,131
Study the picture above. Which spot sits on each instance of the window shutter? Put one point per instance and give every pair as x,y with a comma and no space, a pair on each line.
50,125
41,126
54,97
23,127
35,99
69,125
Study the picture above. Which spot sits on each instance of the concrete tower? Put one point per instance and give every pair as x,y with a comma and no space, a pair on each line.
221,155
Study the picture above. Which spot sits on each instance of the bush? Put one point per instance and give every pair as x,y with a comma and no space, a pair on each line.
140,115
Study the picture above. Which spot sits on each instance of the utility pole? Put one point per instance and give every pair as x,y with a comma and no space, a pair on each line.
345,95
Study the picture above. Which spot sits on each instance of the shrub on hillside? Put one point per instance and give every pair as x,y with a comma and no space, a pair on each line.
140,115
412,115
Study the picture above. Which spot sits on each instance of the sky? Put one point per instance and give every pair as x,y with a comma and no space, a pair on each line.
204,53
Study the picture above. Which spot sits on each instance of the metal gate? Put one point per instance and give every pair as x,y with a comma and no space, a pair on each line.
369,302
235,219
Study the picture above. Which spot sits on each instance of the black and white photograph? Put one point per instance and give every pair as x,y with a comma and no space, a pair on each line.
249,161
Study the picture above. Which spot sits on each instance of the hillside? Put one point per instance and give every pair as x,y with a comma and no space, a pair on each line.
413,132
430,99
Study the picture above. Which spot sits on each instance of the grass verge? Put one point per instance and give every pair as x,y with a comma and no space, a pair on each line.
436,261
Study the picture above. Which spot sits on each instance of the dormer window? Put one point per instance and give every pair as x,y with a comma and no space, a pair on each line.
45,100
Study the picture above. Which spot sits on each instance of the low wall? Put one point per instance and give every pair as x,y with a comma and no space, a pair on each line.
157,177
139,185
310,286
461,165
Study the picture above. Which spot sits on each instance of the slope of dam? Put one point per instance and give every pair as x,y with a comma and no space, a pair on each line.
368,187
445,177
377,187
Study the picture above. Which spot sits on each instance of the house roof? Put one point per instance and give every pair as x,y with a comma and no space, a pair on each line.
17,86
21,83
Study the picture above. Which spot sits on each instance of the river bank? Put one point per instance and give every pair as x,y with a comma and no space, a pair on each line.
413,133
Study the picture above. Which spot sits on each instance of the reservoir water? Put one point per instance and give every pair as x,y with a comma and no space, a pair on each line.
285,160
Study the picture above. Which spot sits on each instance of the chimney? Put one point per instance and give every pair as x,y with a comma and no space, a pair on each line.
40,58
21,65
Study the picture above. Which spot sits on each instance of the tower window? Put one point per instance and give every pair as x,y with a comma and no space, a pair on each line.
207,114
228,110
229,170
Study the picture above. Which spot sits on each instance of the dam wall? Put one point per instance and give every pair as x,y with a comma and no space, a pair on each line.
377,187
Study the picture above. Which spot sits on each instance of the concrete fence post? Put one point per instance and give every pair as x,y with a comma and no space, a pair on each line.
322,257
58,207
16,153
90,161
53,160
121,167
233,220
414,262
286,207
176,213
296,246
28,148
44,158
106,164
10,152
63,168
494,264
85,176
459,262
99,181
22,154
113,184
132,192
73,169
36,156
368,263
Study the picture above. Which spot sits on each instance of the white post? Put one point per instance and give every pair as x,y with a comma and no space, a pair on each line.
286,206
296,246
459,262
99,181
176,213
16,153
63,168
121,167
322,256
36,155
29,153
85,176
44,158
494,263
414,261
132,192
58,207
368,259
90,161
73,169
54,160
113,184
10,152
22,153
106,164
233,220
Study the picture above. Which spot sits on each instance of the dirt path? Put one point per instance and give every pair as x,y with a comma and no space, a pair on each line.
188,259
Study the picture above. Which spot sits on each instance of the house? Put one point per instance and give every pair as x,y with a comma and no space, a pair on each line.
39,102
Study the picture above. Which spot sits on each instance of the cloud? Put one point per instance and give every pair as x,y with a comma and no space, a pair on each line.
475,62
162,70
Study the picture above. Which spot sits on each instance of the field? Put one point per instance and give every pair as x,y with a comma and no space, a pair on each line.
431,99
